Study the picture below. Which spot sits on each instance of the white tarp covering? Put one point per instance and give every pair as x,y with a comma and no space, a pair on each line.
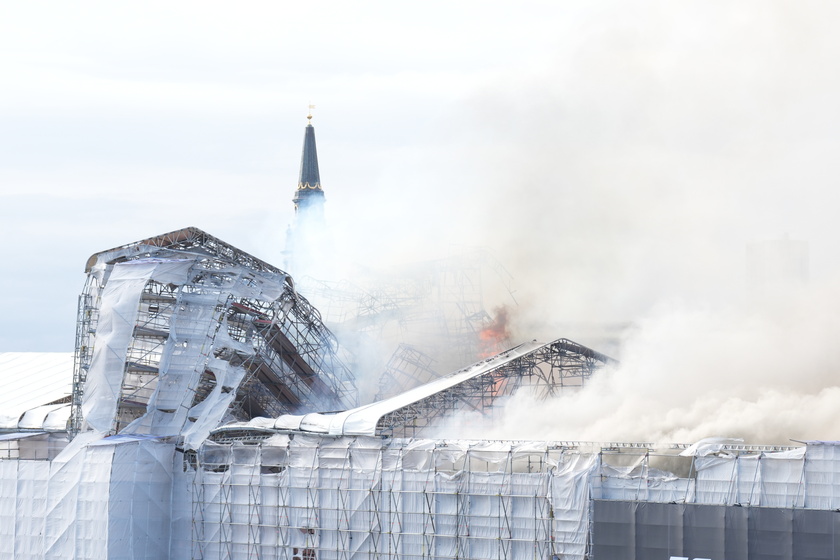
99,499
363,498
765,479
193,336
117,316
320,497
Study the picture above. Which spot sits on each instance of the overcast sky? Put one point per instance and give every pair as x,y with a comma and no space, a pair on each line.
611,154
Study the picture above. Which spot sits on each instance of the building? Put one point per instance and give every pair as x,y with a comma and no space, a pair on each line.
212,418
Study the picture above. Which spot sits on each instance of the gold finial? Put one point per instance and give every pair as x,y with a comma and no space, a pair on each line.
309,116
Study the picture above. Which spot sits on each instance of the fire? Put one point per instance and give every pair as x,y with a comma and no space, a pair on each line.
495,337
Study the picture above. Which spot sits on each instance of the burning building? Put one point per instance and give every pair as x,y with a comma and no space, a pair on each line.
211,417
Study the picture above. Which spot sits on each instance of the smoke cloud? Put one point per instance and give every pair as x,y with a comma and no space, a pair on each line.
766,373
619,176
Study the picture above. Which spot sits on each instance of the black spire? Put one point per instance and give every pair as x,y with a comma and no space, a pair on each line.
309,190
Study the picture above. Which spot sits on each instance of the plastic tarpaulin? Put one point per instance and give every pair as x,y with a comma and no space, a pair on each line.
358,497
110,500
767,479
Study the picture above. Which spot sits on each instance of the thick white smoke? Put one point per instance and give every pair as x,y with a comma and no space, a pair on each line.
768,372
620,177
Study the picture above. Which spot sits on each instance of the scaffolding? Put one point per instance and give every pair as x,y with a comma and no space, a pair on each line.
407,368
546,370
292,495
182,332
344,498
436,307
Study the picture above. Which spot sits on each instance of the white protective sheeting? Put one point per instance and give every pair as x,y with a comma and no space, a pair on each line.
32,379
354,498
118,311
36,418
362,421
98,499
193,336
364,498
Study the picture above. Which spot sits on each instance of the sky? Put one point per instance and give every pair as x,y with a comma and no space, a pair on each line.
616,157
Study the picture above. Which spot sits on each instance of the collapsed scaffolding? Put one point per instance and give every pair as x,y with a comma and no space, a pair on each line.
544,370
182,332
433,308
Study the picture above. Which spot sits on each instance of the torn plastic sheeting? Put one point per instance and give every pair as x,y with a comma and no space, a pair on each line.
168,405
569,497
119,307
450,452
709,446
209,412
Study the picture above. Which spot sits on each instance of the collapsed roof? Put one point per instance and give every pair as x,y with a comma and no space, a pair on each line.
545,369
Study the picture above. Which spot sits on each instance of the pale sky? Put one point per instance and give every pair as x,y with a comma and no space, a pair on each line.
611,154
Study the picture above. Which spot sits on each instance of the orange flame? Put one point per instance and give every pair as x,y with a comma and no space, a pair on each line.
495,337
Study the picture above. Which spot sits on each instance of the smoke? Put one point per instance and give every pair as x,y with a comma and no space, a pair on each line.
766,372
619,176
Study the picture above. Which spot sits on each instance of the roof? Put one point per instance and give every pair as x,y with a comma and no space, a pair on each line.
30,380
426,400
189,239
363,420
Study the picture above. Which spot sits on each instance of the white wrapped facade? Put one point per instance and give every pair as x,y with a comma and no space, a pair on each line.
287,496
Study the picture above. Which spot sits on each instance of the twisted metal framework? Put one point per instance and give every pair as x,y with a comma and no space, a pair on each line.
546,371
188,239
407,368
435,306
287,357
